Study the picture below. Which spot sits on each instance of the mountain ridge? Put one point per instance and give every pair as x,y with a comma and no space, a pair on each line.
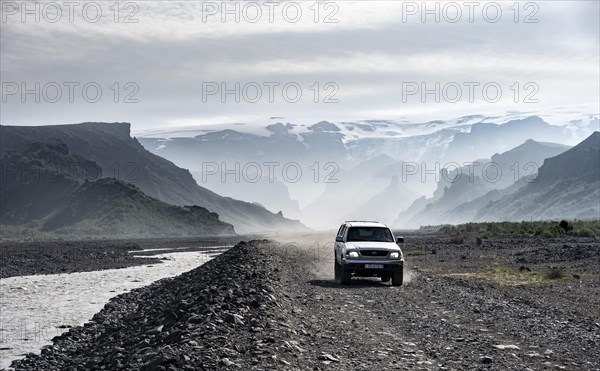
51,191
567,187
123,157
459,199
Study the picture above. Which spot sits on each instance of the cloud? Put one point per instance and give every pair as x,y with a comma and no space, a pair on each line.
369,52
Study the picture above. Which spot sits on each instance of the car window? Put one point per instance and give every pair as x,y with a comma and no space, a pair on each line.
376,234
340,230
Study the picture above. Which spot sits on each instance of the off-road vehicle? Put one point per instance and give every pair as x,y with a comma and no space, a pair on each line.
368,249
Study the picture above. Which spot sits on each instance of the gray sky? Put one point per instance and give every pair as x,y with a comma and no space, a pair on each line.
374,55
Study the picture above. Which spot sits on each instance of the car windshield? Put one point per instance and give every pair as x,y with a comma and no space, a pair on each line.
377,234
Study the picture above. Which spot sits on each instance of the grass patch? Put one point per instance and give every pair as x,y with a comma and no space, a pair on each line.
509,276
544,229
416,253
501,274
584,232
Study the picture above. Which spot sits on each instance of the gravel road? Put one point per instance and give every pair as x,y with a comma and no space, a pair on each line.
274,305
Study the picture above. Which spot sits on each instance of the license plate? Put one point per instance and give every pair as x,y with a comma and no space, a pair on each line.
374,266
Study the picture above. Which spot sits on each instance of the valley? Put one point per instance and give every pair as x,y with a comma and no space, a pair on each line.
173,174
469,169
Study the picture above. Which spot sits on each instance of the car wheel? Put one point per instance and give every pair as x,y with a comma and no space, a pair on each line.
337,271
398,277
386,279
345,276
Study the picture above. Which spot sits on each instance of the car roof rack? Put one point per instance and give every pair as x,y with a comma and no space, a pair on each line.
362,221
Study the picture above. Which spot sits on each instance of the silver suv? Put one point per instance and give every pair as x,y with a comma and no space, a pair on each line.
368,249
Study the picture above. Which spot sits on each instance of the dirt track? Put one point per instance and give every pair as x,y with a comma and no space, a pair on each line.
444,318
462,307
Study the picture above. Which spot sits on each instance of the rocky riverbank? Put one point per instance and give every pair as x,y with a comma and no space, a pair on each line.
202,319
52,257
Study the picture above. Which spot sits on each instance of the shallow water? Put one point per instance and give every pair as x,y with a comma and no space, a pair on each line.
33,307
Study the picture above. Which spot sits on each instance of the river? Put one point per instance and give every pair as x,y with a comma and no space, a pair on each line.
34,309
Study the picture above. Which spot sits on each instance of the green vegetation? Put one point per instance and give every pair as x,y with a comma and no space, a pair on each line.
544,229
502,274
585,232
416,253
505,275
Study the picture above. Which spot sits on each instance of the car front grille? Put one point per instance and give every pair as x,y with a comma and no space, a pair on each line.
374,253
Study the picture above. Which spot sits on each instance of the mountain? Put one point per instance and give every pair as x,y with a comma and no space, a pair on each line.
319,150
46,189
580,162
278,143
279,147
323,146
567,187
484,139
385,205
415,148
463,191
352,188
253,187
120,156
344,146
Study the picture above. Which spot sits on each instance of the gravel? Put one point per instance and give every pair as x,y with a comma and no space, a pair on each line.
262,305
52,257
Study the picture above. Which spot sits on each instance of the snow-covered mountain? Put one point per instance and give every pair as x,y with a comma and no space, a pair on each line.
323,153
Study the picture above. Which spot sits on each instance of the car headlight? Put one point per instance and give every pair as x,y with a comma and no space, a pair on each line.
352,254
394,255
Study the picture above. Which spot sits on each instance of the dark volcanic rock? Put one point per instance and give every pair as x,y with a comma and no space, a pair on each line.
260,306
201,319
51,257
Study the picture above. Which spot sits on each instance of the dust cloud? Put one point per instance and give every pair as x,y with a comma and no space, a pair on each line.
317,250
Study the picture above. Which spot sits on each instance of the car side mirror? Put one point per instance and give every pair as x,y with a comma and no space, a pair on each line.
400,240
339,239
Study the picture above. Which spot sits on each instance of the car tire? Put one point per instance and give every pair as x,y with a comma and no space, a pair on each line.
398,277
345,276
337,268
386,279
